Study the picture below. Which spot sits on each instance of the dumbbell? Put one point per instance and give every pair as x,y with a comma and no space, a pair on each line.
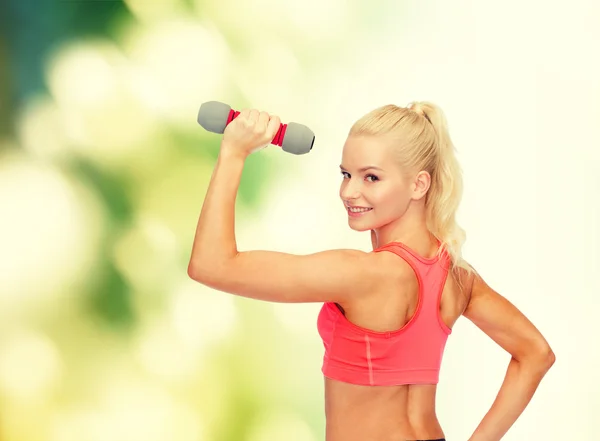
293,137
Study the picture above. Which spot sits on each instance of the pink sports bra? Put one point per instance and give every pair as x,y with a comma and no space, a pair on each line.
410,355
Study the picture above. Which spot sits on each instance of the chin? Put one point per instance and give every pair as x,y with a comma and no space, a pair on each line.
359,229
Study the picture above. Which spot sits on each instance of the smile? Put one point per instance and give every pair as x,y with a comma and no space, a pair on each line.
357,212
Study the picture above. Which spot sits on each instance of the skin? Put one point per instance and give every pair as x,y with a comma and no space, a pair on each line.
377,291
398,202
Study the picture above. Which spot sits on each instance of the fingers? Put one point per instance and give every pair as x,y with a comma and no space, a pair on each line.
273,126
253,117
263,121
260,123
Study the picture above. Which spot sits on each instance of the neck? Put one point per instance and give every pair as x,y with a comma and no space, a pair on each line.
410,229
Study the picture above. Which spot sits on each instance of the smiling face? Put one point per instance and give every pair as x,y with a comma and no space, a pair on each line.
381,188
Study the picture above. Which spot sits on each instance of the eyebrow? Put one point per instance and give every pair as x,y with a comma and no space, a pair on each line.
364,168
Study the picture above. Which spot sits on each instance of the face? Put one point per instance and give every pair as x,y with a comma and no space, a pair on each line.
383,190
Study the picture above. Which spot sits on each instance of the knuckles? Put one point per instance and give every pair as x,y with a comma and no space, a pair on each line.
256,121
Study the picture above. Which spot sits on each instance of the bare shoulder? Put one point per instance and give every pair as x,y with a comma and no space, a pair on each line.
388,273
390,267
387,270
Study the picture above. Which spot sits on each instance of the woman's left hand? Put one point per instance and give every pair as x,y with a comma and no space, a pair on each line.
249,132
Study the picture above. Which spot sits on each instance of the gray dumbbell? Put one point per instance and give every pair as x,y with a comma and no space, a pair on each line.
293,137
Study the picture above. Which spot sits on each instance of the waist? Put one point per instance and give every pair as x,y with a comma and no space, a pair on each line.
389,413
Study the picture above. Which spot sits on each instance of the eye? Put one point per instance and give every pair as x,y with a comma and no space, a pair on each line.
375,178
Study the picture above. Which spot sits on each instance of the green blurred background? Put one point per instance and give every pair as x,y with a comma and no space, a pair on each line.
103,170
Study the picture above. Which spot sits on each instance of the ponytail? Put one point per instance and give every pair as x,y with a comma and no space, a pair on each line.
445,193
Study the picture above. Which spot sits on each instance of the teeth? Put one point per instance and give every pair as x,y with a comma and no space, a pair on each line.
358,210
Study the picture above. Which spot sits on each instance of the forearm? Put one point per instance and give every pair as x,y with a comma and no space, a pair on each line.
214,241
518,387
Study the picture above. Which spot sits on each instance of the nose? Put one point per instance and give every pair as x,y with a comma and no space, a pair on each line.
349,191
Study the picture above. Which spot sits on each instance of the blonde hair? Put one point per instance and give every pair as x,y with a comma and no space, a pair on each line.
423,143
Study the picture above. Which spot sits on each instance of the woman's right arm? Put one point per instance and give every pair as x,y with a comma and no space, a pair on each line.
531,358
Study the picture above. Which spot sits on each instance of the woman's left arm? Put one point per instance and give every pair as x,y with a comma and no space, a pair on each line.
531,357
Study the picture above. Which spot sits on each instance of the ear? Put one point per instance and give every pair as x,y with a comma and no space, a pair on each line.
420,185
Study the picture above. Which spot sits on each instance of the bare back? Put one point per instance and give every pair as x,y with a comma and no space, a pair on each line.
390,413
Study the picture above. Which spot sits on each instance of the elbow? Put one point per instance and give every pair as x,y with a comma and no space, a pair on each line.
546,356
192,272
541,358
209,269
211,274
196,271
549,357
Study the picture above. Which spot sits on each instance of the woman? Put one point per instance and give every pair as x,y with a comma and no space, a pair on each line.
386,316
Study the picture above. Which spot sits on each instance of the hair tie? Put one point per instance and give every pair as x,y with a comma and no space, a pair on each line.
416,107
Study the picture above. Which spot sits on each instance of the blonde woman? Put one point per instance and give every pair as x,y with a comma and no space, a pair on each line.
386,314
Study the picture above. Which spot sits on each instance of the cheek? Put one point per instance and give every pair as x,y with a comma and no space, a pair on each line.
386,198
390,203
